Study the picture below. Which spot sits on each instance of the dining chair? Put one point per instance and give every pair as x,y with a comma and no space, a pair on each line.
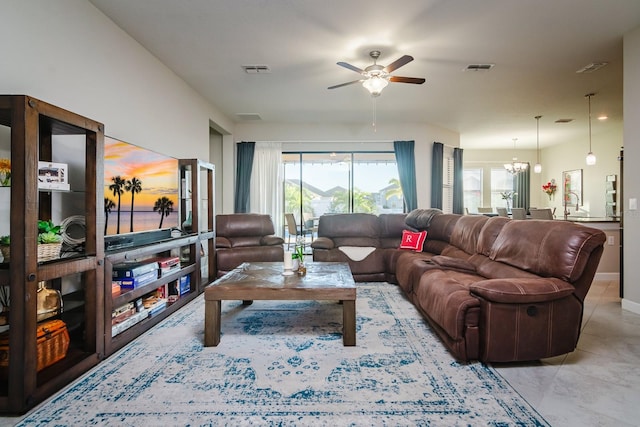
310,223
295,230
518,213
545,213
485,210
502,211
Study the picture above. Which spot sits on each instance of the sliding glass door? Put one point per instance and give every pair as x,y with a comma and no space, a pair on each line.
320,183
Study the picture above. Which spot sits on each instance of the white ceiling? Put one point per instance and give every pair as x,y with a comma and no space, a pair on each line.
536,45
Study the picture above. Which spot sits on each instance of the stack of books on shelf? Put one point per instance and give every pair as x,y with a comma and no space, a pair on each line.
154,304
130,275
167,265
124,317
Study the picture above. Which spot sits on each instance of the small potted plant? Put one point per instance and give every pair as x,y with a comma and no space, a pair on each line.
49,240
5,241
298,255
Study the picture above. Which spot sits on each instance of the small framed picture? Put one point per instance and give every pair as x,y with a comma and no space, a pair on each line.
53,176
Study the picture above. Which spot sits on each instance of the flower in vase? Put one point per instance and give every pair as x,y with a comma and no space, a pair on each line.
5,172
550,188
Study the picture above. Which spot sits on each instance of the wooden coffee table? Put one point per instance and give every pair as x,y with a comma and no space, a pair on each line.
265,281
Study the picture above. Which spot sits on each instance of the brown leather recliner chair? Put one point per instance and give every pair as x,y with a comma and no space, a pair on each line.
245,238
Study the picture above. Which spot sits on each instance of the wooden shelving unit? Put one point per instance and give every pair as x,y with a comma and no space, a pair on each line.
31,131
197,201
42,132
194,245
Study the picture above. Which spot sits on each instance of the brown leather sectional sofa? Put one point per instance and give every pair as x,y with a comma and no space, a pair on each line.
494,289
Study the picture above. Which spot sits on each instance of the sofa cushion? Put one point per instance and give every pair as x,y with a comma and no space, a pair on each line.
489,233
391,226
420,219
522,291
444,296
356,229
413,240
548,248
466,231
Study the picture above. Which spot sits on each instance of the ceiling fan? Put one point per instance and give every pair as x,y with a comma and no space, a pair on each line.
376,77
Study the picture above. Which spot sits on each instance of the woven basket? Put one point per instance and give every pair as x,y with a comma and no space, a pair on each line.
6,252
48,251
53,343
52,340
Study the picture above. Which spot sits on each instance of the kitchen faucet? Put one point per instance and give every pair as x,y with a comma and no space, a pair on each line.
566,199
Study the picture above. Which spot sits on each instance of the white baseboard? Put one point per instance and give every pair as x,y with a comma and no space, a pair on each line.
607,276
631,306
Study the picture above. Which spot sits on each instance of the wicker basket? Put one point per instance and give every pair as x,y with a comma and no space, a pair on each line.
52,344
6,252
48,251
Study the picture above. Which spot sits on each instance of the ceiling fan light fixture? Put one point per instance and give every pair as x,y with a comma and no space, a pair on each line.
375,84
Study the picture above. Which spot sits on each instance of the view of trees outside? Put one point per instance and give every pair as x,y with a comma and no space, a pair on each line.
323,183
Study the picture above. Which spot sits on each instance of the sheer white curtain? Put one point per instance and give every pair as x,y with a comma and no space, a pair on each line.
266,182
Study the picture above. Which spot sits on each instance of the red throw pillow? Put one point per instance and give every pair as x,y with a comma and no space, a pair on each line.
413,240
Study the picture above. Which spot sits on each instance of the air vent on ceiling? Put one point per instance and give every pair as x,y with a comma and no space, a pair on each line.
248,116
564,120
256,69
479,67
590,68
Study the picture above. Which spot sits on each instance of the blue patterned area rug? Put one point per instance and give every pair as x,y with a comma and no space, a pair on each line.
283,363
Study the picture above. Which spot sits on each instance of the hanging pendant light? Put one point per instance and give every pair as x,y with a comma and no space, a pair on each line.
537,168
591,158
515,167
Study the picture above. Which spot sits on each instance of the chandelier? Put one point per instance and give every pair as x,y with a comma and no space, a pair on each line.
515,167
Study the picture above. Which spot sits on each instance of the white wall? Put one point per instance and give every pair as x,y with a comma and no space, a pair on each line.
69,54
631,277
335,137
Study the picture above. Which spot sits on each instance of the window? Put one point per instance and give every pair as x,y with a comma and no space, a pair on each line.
501,181
472,189
447,180
340,182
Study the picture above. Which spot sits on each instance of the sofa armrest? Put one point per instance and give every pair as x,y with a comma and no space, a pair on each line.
222,242
323,243
453,263
522,290
271,240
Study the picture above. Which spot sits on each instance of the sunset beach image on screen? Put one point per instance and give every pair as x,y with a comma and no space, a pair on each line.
143,184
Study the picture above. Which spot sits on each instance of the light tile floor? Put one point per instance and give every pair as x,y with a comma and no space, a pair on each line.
596,385
599,383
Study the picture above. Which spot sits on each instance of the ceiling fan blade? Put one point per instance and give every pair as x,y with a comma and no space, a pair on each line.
344,84
351,67
398,63
414,80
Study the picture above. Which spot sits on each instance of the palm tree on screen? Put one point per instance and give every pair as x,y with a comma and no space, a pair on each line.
164,207
108,207
117,188
133,185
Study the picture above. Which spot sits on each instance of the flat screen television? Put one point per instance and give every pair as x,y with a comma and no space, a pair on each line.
141,190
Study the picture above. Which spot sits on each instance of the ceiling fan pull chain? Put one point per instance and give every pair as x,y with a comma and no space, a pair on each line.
375,129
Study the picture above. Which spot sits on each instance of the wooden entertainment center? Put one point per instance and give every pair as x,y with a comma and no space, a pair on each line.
82,274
